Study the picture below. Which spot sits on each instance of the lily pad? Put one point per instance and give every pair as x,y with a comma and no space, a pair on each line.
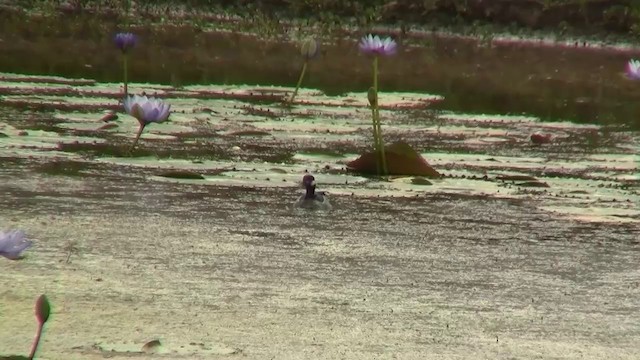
516,178
418,180
402,159
181,174
245,127
152,347
164,349
248,133
533,184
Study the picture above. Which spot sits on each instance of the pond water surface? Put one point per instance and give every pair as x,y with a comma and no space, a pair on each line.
520,250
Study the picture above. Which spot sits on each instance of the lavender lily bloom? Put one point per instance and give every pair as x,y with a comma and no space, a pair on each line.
146,110
13,243
375,46
125,41
633,69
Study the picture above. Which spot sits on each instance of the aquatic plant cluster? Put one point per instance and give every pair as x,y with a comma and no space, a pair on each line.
149,110
375,46
146,110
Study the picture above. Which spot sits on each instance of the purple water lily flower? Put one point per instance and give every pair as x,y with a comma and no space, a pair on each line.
633,69
146,110
312,199
13,243
375,46
125,41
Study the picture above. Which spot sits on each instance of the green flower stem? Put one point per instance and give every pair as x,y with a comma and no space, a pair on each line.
126,73
374,107
295,92
383,155
36,340
375,74
376,149
377,129
127,8
137,137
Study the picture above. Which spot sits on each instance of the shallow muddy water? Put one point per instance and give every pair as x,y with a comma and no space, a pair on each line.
235,270
520,250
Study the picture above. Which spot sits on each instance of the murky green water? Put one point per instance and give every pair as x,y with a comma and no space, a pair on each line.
519,251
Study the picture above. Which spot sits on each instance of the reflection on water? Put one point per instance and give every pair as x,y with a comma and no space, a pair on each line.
576,84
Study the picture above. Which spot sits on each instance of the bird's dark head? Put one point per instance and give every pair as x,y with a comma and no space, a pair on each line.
308,181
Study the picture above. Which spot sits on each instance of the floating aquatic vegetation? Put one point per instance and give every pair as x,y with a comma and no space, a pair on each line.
375,46
211,129
152,347
125,42
309,49
538,138
71,247
161,348
146,110
181,174
13,243
404,161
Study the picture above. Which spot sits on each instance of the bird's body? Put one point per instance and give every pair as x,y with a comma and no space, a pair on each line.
318,200
312,199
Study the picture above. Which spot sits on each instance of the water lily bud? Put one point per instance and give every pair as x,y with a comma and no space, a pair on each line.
125,41
43,309
372,95
309,48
